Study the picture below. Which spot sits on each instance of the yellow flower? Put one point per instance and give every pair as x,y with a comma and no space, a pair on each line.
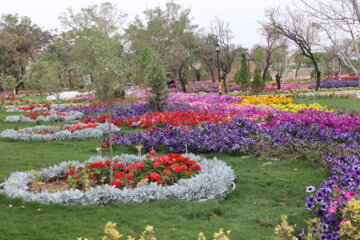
143,181
12,182
32,171
98,149
131,238
149,228
138,147
201,236
111,232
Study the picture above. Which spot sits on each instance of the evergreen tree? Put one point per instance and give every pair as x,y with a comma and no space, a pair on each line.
242,75
257,85
268,76
155,78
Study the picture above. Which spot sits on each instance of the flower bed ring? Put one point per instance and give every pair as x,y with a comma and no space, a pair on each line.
213,182
51,133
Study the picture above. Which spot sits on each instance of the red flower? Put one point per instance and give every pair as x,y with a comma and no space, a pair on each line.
159,181
119,175
189,173
156,164
153,152
154,176
70,172
139,166
190,162
77,177
116,183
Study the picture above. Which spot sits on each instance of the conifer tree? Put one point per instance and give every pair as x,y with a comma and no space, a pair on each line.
257,85
242,75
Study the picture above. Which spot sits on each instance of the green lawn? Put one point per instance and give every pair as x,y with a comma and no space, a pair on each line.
334,103
265,189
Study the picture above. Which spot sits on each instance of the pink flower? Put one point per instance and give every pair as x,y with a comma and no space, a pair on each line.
348,195
332,209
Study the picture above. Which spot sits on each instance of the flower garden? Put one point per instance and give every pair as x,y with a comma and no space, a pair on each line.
206,162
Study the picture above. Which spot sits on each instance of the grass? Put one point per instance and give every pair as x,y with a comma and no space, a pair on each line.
265,189
334,103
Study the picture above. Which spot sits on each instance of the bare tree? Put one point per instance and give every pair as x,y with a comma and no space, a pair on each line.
340,21
273,42
221,30
297,27
207,53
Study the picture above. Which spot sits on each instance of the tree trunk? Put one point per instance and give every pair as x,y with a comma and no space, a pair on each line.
198,75
224,83
109,111
181,79
318,74
278,83
21,84
297,69
211,72
266,68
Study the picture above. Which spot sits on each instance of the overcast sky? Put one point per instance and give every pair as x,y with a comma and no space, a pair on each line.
243,15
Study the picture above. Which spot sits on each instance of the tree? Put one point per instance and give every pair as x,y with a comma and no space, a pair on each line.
156,79
257,85
298,28
95,49
106,69
21,42
339,20
44,75
298,58
206,50
273,43
279,62
106,17
242,75
223,35
170,33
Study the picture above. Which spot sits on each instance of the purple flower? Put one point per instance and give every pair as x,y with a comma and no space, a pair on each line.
310,189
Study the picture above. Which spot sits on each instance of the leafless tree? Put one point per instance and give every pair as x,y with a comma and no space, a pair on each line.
273,42
340,21
207,53
297,27
224,35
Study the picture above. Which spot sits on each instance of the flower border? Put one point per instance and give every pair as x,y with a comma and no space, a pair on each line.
99,131
213,181
74,115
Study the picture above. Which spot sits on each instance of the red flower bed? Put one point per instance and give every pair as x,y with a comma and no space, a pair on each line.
35,115
77,127
159,119
34,106
11,99
164,170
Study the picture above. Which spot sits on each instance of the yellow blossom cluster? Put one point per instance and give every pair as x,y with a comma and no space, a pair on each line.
148,234
291,107
267,100
349,229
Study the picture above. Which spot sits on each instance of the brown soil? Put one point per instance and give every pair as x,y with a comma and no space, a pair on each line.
56,185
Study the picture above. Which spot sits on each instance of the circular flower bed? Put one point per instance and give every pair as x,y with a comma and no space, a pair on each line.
211,182
50,133
35,107
45,116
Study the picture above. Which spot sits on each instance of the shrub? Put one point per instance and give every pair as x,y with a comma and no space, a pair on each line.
257,85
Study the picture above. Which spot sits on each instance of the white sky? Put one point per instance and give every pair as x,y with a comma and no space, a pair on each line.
243,15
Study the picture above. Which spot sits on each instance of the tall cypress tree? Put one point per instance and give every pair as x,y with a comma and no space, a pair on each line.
242,75
257,85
